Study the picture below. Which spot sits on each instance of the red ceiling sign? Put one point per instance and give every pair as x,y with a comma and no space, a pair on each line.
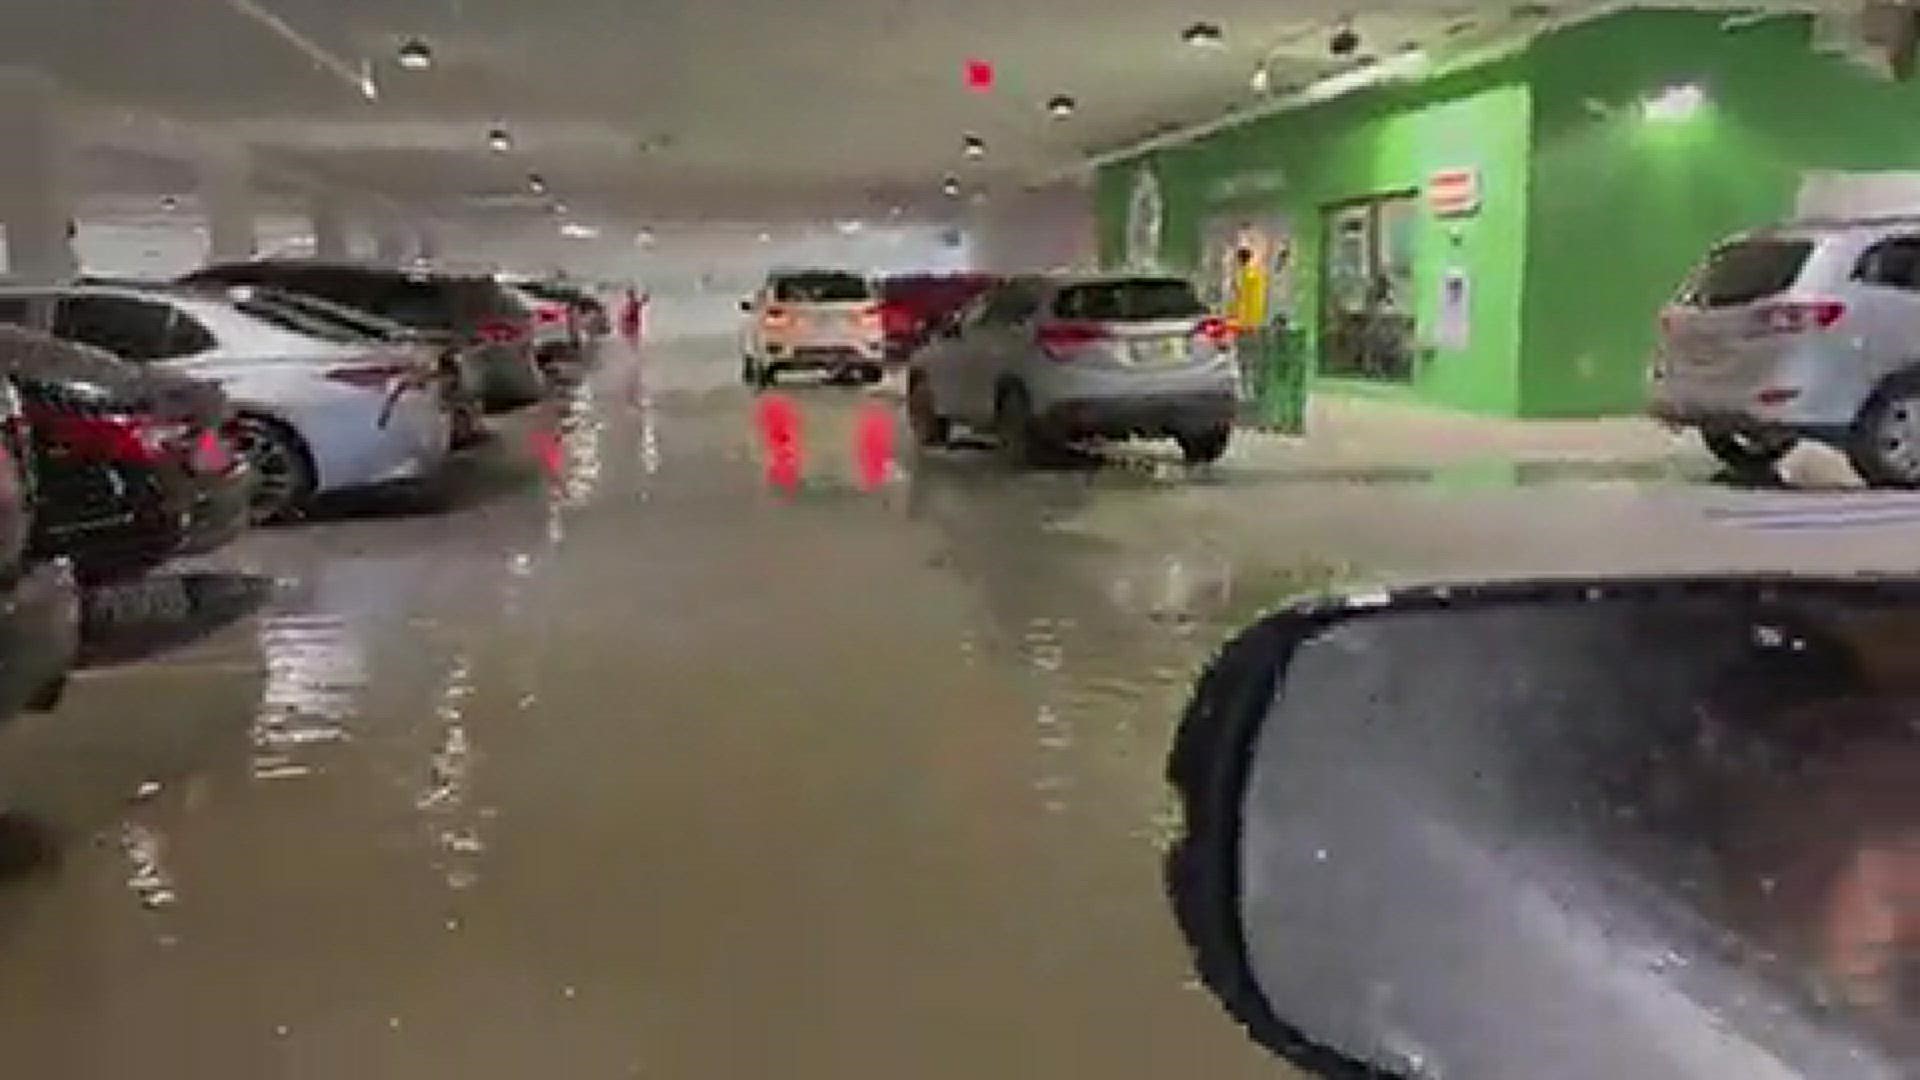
1454,192
979,76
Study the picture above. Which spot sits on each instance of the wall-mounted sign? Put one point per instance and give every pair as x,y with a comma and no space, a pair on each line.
1146,214
1454,192
1246,185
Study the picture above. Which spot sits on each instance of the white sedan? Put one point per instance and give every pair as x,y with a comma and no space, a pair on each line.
319,408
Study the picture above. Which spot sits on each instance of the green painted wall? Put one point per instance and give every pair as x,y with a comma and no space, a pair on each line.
1376,142
1623,206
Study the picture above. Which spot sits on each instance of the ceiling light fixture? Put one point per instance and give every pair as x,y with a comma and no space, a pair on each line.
536,183
766,238
1061,106
1262,81
416,55
169,203
951,187
643,238
1204,35
573,230
499,140
1345,40
560,208
974,147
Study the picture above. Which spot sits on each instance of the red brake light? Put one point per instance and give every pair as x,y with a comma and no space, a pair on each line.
130,440
1799,316
502,331
1059,338
896,320
550,315
1216,330
775,317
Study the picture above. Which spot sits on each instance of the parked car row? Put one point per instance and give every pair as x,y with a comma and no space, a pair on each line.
141,422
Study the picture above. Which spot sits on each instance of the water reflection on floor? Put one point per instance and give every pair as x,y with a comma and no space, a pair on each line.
610,762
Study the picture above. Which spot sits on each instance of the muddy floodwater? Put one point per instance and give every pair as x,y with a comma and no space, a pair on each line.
604,759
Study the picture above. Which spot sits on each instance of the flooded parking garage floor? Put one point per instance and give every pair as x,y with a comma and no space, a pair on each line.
608,761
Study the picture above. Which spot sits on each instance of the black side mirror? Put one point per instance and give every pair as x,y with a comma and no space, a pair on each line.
1580,830
746,306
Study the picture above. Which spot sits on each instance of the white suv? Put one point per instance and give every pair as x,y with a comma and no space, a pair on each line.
812,320
1805,331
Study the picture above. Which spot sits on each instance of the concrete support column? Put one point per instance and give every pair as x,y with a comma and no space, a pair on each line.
36,201
332,232
392,244
226,192
430,245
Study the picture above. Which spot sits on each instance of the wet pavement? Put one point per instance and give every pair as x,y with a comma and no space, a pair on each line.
603,759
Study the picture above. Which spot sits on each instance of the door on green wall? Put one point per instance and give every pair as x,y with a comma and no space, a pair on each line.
1366,308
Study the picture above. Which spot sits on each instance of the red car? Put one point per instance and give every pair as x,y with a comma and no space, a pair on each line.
912,305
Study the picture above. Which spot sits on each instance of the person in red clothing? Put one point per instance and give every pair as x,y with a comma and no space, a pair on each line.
633,316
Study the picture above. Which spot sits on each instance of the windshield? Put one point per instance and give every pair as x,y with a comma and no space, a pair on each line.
1747,271
1128,301
821,288
700,569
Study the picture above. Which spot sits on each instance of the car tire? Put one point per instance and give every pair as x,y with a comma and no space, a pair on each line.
1746,454
1885,443
1207,445
872,374
765,376
47,697
930,429
1022,445
283,474
749,372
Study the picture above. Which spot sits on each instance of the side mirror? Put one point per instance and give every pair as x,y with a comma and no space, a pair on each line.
746,306
1580,830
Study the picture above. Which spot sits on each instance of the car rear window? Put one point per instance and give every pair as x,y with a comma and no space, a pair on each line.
1749,270
309,324
1138,300
822,288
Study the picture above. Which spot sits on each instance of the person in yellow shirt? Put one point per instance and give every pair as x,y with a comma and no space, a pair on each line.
1248,307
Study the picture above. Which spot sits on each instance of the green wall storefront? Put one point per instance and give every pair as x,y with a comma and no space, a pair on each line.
1499,239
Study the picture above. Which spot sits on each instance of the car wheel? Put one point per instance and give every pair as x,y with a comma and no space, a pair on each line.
1206,446
872,374
282,472
1022,445
1748,454
1885,447
930,429
47,697
749,373
765,375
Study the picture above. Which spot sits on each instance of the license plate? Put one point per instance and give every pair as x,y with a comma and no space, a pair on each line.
1161,352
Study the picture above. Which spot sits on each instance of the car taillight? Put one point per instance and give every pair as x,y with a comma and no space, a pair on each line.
502,331
1060,339
550,315
1799,316
379,376
1216,330
896,320
129,440
210,454
871,319
775,318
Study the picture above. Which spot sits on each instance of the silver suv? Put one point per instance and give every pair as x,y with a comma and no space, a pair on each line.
1805,331
1041,362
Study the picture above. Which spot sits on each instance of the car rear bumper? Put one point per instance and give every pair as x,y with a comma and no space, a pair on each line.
1155,415
116,522
509,378
798,357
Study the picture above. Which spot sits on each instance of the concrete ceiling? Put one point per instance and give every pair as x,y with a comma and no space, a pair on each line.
680,109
